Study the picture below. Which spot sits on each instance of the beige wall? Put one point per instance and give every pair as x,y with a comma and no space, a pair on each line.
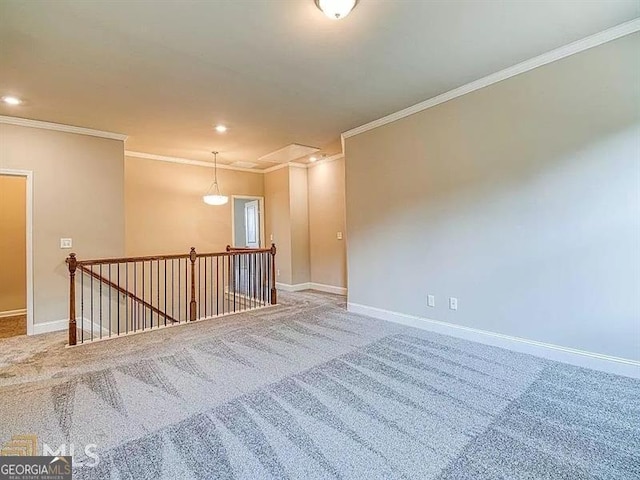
78,192
165,212
299,208
13,243
520,199
278,219
326,219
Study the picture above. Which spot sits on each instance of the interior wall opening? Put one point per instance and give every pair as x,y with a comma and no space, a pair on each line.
247,221
13,255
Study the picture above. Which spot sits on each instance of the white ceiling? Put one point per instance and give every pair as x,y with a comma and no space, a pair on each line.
276,72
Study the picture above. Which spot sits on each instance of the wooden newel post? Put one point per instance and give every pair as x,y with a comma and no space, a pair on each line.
193,306
72,263
274,293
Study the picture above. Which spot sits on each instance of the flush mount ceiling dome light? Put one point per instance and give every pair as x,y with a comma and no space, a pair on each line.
213,195
336,9
11,100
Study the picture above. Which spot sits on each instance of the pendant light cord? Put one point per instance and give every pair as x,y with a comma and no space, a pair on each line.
215,168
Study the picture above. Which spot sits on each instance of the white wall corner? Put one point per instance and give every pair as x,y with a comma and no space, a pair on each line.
580,358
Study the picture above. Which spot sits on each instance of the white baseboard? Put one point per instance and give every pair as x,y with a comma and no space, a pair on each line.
13,313
298,287
292,288
47,327
59,325
581,358
328,288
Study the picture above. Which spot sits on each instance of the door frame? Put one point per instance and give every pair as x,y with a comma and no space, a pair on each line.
233,217
28,174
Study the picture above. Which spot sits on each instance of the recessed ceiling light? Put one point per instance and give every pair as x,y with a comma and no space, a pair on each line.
221,128
313,159
11,100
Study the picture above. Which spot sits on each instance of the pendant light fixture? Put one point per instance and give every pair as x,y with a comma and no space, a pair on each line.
336,9
213,195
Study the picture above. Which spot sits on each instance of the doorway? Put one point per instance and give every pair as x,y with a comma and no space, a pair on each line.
247,221
15,187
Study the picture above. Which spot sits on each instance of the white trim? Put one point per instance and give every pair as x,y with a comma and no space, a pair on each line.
47,327
186,161
581,358
60,325
26,122
160,327
233,217
283,165
544,59
13,313
200,163
328,288
298,287
332,158
28,174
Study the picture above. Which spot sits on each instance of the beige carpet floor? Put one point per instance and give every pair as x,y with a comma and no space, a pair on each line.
307,390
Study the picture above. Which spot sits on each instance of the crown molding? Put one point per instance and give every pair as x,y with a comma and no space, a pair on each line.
283,165
186,161
605,36
26,122
332,158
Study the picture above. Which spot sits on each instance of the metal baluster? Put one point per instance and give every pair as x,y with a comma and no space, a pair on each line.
158,294
127,298
100,291
81,306
91,298
118,265
135,294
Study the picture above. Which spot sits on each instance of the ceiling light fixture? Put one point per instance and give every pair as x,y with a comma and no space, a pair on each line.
221,128
213,195
9,100
313,159
336,9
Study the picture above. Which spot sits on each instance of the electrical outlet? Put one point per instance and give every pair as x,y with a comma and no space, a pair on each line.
453,303
431,301
66,243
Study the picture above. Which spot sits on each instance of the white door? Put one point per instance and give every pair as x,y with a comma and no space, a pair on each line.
252,223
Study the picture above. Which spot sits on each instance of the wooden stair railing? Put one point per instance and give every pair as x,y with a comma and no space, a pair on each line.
126,293
165,288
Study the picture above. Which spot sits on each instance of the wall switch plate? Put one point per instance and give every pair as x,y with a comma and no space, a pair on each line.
453,303
66,243
278,272
271,237
339,235
431,301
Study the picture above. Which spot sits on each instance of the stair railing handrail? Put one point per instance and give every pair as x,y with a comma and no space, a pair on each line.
85,267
